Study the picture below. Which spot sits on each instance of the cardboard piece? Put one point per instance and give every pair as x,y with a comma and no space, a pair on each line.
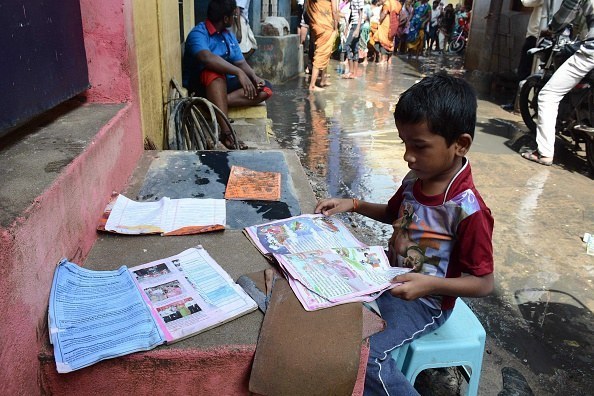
307,353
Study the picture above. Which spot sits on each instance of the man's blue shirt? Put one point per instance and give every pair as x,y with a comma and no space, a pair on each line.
205,37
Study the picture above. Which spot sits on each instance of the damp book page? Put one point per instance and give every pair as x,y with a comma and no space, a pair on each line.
166,216
324,278
97,315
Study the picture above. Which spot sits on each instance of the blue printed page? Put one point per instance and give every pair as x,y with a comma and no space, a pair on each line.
97,315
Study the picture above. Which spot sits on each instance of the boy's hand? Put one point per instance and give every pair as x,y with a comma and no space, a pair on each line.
331,206
413,286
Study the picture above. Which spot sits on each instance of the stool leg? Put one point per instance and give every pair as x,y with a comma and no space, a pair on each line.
473,382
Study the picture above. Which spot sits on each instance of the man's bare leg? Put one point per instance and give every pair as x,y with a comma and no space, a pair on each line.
237,98
216,92
315,72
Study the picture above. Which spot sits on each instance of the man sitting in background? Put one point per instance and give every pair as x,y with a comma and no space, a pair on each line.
214,67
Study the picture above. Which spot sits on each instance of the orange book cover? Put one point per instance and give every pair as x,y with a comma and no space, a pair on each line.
248,184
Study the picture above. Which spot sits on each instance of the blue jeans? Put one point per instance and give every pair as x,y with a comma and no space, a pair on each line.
405,320
352,44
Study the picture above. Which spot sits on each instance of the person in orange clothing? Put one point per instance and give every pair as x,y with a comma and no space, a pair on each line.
323,20
388,27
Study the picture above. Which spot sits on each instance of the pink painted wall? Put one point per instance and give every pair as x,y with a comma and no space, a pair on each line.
61,221
107,46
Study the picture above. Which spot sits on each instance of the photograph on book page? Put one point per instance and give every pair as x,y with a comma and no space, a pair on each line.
247,184
190,293
301,234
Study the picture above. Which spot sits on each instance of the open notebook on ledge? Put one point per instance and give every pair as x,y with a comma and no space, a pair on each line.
166,216
97,315
324,263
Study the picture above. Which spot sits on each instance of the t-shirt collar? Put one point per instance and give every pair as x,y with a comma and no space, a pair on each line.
211,27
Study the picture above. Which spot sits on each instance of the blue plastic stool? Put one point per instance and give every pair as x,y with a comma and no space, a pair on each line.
459,342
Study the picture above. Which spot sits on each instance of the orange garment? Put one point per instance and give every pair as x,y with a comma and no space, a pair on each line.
383,32
417,45
373,33
321,24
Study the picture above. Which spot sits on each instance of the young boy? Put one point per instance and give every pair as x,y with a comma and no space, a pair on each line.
442,227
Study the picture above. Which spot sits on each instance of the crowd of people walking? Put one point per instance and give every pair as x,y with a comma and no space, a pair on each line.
364,31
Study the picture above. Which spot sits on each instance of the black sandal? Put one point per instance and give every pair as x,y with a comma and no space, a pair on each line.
228,140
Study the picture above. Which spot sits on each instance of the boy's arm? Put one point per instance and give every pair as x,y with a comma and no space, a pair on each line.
379,212
418,285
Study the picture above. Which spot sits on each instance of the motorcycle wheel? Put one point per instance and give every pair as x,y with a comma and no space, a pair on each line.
529,101
457,45
590,153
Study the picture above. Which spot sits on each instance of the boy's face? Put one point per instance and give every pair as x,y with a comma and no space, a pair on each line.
428,154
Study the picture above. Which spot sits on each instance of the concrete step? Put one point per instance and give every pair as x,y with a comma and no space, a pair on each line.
257,111
256,132
57,173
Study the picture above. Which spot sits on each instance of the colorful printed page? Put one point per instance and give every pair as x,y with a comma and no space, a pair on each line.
166,216
190,293
338,275
301,234
247,184
97,315
313,302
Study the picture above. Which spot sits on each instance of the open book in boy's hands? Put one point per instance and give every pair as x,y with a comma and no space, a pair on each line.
324,278
324,262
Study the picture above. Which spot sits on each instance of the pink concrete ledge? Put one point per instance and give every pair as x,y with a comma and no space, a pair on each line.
214,371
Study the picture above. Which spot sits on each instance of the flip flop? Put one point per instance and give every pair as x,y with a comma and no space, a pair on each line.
534,156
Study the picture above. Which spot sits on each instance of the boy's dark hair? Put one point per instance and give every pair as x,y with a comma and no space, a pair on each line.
218,9
446,104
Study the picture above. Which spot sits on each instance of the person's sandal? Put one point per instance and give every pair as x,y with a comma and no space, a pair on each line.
228,141
535,156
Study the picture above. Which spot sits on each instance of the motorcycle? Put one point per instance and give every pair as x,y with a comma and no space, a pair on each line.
458,41
575,120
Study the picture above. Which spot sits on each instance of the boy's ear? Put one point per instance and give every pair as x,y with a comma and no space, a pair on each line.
463,144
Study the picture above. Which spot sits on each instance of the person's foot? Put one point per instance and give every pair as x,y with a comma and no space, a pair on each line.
315,88
535,156
324,84
227,139
348,76
508,107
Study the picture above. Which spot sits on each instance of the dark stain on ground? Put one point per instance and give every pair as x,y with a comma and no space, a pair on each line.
201,181
271,210
218,162
56,166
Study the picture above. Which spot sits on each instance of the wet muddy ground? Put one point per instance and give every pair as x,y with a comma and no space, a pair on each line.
539,320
